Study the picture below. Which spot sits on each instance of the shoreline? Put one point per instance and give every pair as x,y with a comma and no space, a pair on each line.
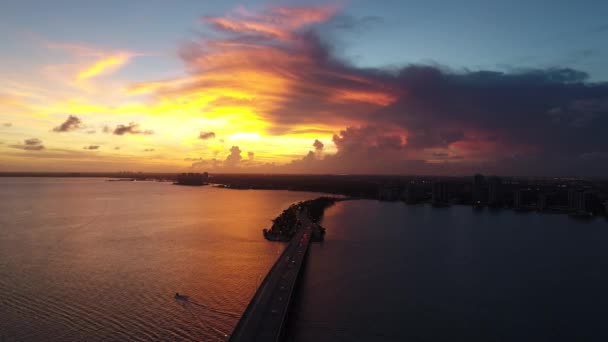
352,187
288,223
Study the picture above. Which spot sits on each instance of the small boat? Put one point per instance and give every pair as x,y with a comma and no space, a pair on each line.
181,297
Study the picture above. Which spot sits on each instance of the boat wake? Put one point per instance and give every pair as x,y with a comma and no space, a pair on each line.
187,304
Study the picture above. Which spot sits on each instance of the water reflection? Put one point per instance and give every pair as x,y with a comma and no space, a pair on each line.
84,259
391,272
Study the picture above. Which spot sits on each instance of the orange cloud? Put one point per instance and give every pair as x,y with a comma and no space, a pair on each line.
269,67
88,61
377,98
104,66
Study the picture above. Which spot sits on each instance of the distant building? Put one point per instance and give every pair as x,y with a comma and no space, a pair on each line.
542,202
478,190
411,194
192,179
495,191
581,201
440,193
518,198
522,199
572,193
389,192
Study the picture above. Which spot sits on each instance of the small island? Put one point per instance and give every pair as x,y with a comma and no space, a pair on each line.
293,218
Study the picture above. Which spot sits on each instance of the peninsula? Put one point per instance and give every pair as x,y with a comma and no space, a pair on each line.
285,226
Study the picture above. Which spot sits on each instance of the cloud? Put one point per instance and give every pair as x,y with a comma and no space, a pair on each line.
91,147
276,58
529,121
206,135
117,148
7,124
104,65
233,162
85,62
70,124
212,164
275,23
149,150
131,128
318,145
234,158
33,144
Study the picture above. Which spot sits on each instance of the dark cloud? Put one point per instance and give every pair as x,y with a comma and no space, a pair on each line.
91,147
206,135
33,144
250,155
366,149
70,124
131,128
552,113
33,141
149,150
117,148
107,129
318,145
7,124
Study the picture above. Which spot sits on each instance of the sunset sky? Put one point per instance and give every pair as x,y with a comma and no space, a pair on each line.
391,87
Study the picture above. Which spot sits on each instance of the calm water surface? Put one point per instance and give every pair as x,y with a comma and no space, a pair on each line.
89,260
391,272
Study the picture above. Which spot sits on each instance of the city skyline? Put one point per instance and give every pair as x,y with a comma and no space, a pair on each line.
305,87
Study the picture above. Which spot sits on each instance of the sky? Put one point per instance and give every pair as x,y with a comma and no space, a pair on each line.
372,87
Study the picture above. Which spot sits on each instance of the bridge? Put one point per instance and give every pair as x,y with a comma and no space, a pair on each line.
266,315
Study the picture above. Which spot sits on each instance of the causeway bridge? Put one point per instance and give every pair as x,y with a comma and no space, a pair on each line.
266,315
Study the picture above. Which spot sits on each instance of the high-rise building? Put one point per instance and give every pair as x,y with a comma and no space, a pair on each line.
521,198
478,190
542,201
411,194
581,201
494,191
389,192
440,193
572,193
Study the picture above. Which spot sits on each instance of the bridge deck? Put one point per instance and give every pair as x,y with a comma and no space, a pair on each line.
265,317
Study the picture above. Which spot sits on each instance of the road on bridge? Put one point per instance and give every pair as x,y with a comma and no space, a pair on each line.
265,317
